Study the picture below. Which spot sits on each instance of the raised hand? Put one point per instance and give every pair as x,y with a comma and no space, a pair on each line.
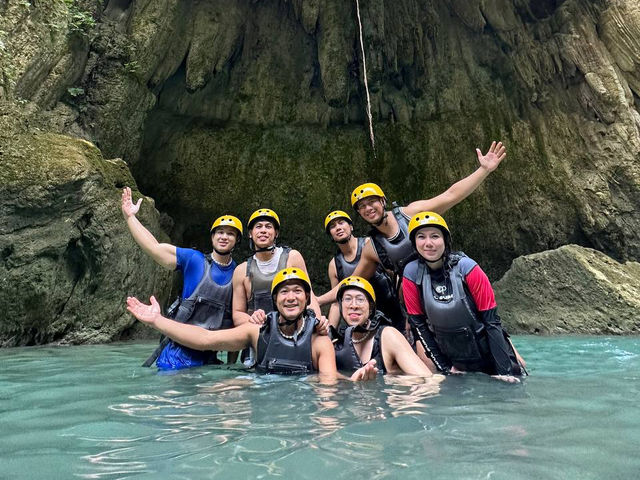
366,373
490,161
145,313
128,207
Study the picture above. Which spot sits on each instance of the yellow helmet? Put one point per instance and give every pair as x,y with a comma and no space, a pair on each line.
366,190
359,283
264,213
336,214
228,220
427,219
291,273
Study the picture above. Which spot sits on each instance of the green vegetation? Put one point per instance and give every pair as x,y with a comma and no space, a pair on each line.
81,22
75,91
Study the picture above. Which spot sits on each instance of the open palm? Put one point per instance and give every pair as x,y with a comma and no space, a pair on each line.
143,312
128,207
490,161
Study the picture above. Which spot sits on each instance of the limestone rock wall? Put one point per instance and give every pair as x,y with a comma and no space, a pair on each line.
227,106
67,262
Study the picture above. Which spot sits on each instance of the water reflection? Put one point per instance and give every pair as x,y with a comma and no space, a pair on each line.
407,395
257,420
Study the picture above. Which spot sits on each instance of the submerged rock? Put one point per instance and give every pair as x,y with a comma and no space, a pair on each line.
67,262
570,290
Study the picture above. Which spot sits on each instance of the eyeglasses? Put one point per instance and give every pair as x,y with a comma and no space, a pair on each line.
367,202
358,300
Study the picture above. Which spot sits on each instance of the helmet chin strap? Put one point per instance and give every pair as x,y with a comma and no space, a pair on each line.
286,323
381,221
265,249
346,240
224,254
371,324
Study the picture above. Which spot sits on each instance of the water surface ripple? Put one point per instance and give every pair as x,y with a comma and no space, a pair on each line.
92,412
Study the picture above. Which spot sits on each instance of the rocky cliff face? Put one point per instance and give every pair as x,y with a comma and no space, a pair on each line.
67,263
228,106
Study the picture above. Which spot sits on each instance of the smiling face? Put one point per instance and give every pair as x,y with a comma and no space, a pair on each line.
263,233
430,243
340,230
291,299
224,238
371,209
355,307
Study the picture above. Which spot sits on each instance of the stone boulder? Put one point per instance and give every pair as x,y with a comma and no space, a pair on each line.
67,261
570,290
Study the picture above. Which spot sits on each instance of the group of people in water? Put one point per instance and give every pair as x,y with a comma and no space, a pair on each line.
402,300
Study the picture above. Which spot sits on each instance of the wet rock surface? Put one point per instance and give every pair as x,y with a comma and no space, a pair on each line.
67,261
570,290
228,106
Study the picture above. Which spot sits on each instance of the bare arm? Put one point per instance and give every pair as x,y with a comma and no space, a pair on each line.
192,336
296,260
366,268
396,348
334,311
163,254
239,301
463,188
324,359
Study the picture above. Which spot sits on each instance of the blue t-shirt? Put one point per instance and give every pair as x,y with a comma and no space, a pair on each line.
192,265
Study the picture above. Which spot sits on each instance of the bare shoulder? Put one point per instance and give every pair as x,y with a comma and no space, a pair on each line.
295,259
393,335
240,271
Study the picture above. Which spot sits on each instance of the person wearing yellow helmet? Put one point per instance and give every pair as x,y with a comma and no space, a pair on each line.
339,226
369,335
390,245
252,279
285,344
252,299
207,289
452,306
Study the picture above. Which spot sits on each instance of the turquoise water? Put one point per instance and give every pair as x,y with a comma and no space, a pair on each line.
92,412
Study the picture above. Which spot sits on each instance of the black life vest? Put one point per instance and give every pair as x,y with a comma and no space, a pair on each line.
386,296
277,354
209,305
260,297
347,359
394,254
453,318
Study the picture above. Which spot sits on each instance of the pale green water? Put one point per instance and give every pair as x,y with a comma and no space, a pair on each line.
92,412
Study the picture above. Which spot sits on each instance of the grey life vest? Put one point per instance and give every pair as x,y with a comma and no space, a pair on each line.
347,359
453,318
209,305
260,297
386,297
277,354
394,254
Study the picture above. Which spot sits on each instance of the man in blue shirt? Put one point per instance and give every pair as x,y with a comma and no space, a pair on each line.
207,288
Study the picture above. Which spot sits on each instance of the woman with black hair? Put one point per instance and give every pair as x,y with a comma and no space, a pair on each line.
452,307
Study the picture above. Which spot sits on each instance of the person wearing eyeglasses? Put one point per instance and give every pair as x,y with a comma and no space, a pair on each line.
369,336
285,344
390,245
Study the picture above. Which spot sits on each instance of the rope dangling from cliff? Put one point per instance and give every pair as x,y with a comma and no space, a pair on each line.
366,84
